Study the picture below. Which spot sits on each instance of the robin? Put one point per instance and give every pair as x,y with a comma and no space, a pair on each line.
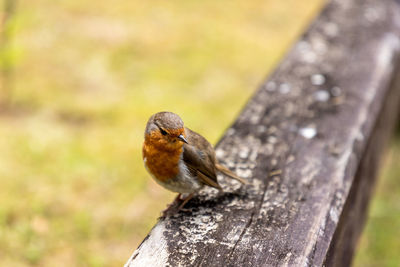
180,159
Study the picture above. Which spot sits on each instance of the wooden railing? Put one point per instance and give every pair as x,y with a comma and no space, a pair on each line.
309,142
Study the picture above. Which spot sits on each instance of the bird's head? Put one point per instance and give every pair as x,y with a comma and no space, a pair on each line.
166,130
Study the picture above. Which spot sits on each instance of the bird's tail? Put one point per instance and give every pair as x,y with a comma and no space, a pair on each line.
226,171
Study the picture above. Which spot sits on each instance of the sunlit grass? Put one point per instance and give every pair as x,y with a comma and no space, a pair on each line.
87,77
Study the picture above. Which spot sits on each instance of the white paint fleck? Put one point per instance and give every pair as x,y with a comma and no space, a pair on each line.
321,95
303,46
230,164
305,52
360,136
270,86
257,184
385,55
244,173
309,57
244,152
318,79
272,139
218,217
331,29
319,44
253,155
274,162
284,88
205,219
220,153
287,257
254,119
333,213
308,132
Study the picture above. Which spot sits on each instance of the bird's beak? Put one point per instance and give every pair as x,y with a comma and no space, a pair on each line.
182,138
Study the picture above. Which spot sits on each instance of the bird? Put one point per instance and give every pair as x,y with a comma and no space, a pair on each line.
180,159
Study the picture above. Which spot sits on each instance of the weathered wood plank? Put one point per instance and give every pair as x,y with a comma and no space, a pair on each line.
309,142
354,212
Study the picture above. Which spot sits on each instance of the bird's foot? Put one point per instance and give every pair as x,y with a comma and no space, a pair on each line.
173,208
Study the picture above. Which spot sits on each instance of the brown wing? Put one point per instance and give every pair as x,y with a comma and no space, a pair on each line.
199,156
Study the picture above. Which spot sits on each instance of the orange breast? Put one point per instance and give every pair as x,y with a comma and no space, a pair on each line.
162,163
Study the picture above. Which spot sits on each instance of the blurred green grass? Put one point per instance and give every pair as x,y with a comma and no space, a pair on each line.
86,78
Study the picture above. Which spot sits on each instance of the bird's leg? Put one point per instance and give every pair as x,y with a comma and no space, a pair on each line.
170,206
189,197
177,199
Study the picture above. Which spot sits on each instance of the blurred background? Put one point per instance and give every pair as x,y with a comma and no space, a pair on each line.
79,79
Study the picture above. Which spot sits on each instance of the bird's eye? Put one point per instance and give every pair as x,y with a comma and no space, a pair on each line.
163,132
